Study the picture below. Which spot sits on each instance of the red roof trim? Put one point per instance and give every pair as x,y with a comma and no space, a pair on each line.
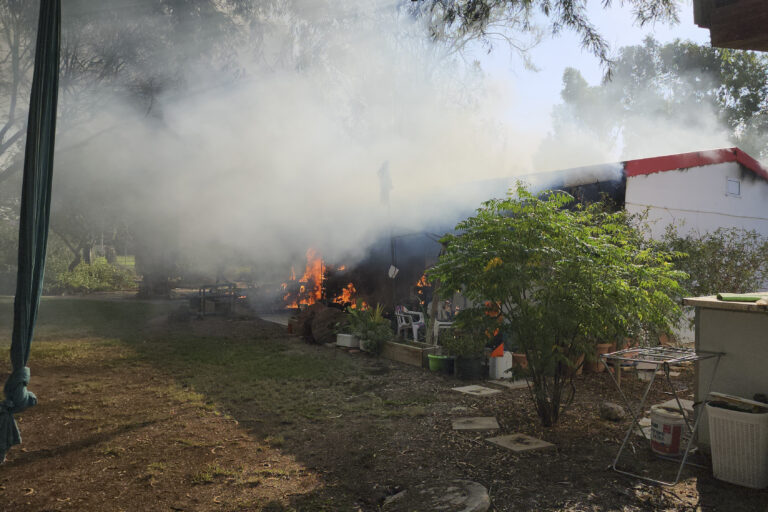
697,159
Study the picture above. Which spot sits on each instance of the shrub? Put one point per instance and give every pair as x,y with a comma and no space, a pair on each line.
724,260
556,279
96,277
463,344
370,326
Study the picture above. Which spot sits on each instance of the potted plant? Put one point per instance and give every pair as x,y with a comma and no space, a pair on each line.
441,363
356,320
372,329
468,351
595,365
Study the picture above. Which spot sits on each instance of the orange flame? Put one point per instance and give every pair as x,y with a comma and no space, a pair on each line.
347,295
420,284
313,274
311,284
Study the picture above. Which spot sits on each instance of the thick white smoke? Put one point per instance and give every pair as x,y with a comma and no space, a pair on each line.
287,157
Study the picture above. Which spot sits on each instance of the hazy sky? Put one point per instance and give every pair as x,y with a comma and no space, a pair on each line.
535,93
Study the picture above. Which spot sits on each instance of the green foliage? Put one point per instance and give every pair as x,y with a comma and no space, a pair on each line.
357,319
56,259
680,83
725,260
97,277
463,344
563,279
482,18
9,233
370,326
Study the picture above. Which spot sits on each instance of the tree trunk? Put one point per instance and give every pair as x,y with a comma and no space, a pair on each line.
430,339
86,250
75,262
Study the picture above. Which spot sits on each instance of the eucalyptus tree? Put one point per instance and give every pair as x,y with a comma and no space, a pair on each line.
491,21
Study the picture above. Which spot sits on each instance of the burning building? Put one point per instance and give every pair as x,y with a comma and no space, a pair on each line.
697,191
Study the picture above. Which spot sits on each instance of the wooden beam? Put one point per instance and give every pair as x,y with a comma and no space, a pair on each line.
739,24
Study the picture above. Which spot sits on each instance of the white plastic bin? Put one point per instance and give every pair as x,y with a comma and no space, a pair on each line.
739,442
498,366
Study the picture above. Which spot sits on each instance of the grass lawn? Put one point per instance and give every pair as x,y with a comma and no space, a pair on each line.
140,413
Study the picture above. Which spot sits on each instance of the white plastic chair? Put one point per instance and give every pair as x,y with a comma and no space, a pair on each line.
412,320
439,324
443,320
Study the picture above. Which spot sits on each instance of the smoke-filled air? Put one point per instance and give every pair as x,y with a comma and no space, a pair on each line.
262,129
321,139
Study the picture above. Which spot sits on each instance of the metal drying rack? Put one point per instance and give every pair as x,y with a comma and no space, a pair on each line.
662,357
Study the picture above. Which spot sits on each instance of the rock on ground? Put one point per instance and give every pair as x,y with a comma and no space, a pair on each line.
612,412
446,496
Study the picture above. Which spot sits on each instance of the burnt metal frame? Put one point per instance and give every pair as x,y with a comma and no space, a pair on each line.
661,357
212,294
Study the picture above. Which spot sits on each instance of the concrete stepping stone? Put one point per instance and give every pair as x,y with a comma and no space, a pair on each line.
645,428
477,390
510,384
477,423
519,443
672,373
446,496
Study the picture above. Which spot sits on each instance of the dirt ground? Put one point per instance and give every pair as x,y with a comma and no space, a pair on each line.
238,415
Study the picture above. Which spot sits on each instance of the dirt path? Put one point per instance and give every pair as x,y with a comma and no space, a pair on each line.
114,434
219,415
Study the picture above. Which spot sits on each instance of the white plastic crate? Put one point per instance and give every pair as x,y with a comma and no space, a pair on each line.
739,442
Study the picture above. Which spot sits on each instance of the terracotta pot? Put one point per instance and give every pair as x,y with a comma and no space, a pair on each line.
601,348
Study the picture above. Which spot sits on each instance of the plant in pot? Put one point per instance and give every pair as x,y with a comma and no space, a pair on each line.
372,329
355,322
602,343
467,348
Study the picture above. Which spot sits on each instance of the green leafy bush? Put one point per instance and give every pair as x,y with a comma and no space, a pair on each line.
725,260
562,279
462,344
97,277
370,326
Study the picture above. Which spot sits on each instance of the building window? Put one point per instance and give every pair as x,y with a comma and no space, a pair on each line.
733,187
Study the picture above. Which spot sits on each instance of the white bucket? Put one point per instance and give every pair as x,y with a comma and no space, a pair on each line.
669,435
498,366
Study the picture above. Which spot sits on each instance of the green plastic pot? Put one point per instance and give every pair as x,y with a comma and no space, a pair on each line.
437,363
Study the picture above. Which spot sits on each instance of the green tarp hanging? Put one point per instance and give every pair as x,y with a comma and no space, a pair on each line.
35,214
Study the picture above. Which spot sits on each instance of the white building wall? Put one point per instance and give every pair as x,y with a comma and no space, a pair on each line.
696,199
